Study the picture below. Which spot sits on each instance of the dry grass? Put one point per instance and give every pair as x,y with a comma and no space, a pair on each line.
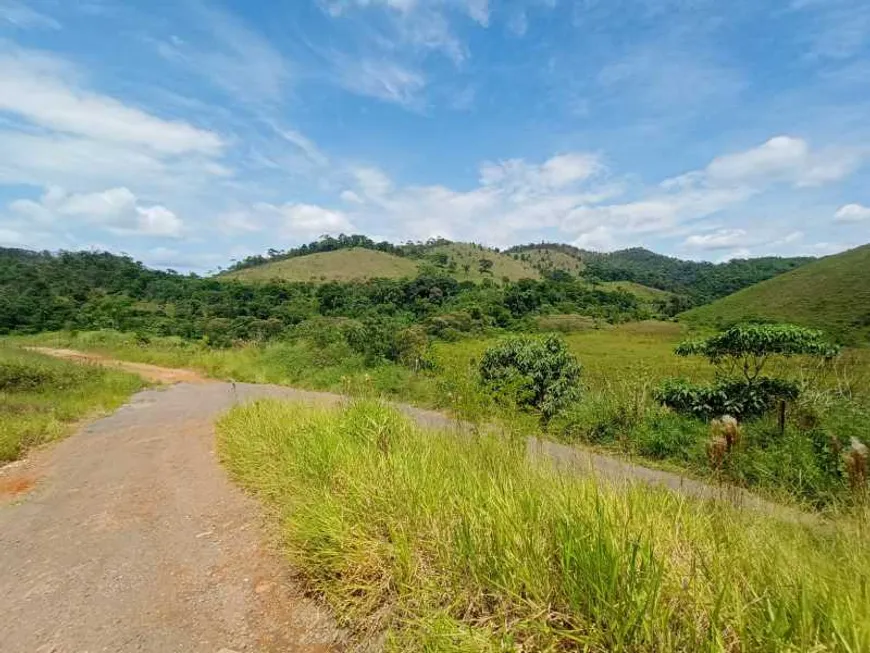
356,264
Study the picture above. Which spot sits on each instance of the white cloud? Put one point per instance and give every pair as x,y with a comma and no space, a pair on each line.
156,221
782,159
116,210
720,239
351,197
302,221
38,88
852,213
11,237
382,79
20,15
372,182
601,239
419,24
522,179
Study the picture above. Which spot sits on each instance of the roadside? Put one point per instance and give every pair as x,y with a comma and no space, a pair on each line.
576,458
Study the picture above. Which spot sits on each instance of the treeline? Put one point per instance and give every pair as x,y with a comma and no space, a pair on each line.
698,282
91,290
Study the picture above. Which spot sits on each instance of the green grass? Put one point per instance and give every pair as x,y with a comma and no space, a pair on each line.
342,265
617,412
831,294
41,398
644,293
453,543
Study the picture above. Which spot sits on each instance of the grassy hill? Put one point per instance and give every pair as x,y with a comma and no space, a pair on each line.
463,263
832,294
341,265
548,259
459,260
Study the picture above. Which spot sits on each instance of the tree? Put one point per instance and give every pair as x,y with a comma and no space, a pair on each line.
532,372
741,354
485,266
749,348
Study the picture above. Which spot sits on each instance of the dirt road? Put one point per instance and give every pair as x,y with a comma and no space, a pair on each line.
133,539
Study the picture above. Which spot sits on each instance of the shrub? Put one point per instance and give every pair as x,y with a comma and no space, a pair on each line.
742,399
536,373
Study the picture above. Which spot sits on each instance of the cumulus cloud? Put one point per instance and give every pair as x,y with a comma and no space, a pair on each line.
720,239
291,220
852,213
782,159
116,210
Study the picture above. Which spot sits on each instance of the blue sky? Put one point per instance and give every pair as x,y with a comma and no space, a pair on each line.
192,132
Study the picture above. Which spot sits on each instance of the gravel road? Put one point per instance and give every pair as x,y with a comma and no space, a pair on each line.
128,536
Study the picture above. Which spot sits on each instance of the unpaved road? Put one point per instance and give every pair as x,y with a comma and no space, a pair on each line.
132,538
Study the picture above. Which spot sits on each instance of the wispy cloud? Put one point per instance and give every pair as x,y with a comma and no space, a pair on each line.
381,79
35,87
20,15
233,57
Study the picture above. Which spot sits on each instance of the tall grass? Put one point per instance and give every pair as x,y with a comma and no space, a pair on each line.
41,397
453,543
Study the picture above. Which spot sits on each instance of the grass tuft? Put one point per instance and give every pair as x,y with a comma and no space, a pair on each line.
453,543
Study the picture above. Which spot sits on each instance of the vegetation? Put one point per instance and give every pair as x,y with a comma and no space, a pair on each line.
40,398
349,258
538,373
617,411
357,264
461,544
740,355
691,282
324,244
87,290
831,294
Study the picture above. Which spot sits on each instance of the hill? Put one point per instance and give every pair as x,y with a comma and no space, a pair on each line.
699,281
832,294
463,262
341,265
549,259
363,259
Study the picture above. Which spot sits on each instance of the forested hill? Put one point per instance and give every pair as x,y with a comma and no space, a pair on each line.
699,281
92,290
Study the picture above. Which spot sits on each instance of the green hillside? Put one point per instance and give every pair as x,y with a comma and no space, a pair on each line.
464,263
341,265
832,294
549,259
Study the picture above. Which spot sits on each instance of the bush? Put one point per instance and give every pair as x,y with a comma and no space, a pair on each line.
537,373
738,398
21,375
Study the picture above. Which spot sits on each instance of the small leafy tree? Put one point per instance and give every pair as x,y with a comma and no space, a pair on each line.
741,354
485,265
532,372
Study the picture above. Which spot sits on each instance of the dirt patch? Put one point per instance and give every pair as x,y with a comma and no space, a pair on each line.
14,486
152,373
